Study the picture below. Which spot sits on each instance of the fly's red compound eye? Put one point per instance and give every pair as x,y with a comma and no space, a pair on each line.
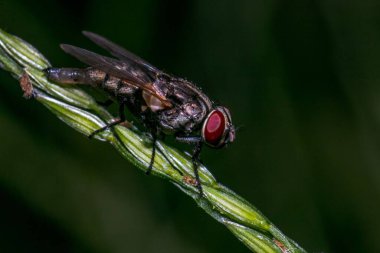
214,128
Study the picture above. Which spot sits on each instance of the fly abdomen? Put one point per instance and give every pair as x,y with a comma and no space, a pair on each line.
75,75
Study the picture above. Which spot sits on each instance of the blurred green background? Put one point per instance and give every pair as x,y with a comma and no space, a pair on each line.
302,81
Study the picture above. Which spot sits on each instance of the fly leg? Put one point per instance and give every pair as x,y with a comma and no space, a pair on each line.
155,149
154,137
114,123
196,163
197,141
88,76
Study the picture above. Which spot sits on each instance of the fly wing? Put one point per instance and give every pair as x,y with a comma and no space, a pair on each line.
109,65
116,68
120,52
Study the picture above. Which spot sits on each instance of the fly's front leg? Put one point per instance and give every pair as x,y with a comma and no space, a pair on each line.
189,139
196,163
198,143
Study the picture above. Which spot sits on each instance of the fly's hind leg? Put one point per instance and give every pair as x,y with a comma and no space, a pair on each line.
109,101
106,103
88,76
120,120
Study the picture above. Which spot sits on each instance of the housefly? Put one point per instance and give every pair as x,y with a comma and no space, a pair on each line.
165,104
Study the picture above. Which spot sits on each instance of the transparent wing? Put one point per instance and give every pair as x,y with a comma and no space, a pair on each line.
120,52
116,68
109,65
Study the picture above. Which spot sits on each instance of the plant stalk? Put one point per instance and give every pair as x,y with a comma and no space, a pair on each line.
80,111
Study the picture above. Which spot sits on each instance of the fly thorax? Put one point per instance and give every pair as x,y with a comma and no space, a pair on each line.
192,110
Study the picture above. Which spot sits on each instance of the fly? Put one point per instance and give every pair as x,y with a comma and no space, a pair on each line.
165,104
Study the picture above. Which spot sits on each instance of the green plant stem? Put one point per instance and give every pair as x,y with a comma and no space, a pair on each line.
79,110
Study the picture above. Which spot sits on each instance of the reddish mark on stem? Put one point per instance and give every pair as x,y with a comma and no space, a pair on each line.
26,86
189,180
281,246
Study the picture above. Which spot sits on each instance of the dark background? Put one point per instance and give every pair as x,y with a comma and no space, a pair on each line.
301,79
